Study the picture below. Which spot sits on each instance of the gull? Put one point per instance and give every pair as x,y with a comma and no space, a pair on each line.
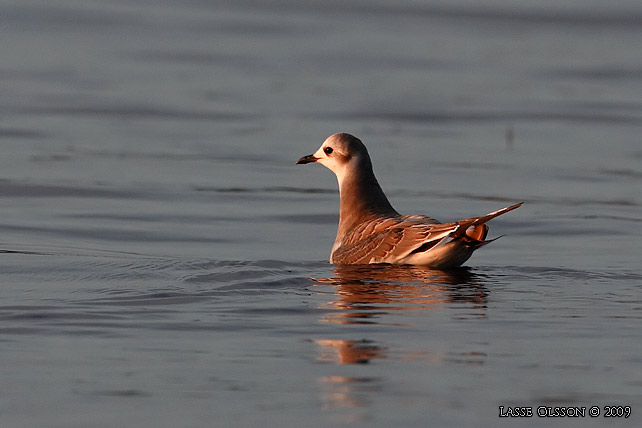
372,231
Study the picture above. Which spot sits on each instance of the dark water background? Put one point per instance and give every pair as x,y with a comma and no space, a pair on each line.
163,261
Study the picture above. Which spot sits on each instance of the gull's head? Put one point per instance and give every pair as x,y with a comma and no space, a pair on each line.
338,152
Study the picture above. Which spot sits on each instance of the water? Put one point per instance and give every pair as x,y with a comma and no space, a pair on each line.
163,260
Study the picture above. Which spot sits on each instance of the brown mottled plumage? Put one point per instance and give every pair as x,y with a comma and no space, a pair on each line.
371,231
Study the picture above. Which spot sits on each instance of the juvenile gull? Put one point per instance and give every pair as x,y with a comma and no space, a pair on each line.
371,231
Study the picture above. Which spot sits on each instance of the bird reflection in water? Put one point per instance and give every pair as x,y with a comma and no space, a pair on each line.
373,294
349,393
366,294
390,295
349,351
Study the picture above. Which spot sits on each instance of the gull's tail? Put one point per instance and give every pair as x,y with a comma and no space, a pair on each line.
473,230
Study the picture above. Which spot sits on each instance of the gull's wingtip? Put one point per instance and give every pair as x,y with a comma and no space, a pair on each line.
514,206
506,209
483,219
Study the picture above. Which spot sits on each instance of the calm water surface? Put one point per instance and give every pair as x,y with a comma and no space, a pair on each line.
164,262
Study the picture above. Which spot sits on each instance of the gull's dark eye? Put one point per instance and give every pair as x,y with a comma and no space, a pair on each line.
328,150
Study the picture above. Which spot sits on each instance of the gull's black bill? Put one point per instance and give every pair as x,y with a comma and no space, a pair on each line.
307,159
